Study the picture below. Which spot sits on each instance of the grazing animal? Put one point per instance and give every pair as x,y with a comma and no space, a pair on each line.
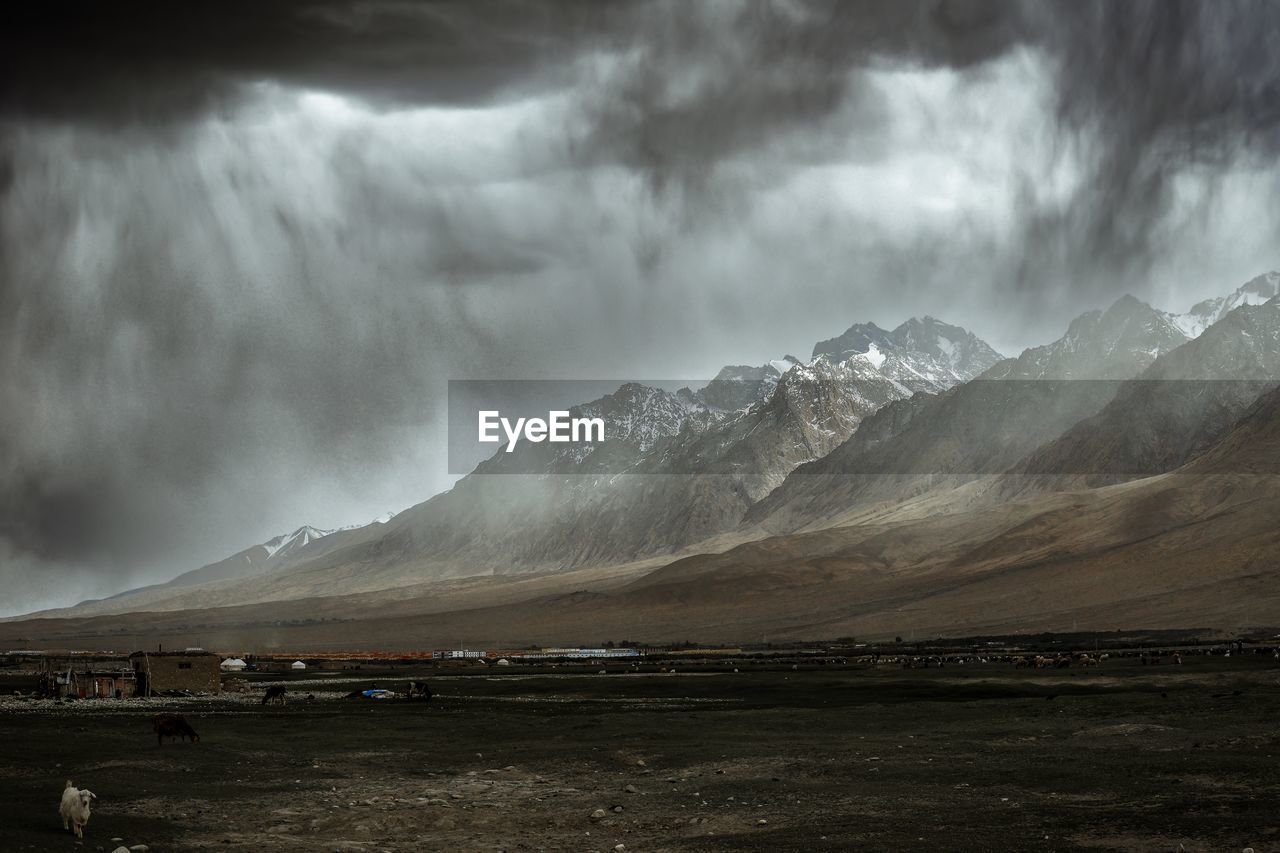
274,694
420,690
75,808
172,725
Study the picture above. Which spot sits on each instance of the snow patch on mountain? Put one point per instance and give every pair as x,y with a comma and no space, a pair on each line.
1202,315
782,365
290,542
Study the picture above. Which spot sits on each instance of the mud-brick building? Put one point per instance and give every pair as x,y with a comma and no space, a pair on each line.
190,671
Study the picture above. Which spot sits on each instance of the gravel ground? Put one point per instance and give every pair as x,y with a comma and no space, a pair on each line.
981,758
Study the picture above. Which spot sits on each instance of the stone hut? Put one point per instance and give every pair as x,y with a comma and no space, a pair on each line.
189,671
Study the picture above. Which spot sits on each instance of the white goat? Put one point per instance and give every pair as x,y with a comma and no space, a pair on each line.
75,808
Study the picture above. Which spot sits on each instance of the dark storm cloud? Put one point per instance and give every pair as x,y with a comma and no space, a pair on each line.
149,61
1145,86
716,80
1144,91
220,306
121,62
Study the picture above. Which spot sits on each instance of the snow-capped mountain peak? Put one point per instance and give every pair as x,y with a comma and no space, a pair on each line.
856,340
1204,314
287,543
924,353
782,365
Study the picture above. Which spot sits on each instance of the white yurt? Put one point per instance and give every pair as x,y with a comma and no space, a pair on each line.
297,665
503,662
233,665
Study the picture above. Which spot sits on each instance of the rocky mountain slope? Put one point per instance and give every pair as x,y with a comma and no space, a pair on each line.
979,428
677,468
627,499
880,430
1113,344
1204,314
254,560
924,354
1189,548
252,563
1184,402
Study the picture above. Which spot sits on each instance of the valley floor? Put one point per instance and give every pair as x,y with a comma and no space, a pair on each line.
978,757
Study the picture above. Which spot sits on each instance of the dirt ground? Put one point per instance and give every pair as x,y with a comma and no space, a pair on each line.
976,757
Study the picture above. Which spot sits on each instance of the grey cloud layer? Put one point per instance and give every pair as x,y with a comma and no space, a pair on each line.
228,307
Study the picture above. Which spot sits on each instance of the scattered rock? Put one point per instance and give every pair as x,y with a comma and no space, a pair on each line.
762,822
599,814
121,848
631,789
617,809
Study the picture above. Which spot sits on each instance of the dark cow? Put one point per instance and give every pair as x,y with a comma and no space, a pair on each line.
420,690
274,694
172,725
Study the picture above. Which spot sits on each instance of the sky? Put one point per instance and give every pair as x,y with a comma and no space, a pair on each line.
244,246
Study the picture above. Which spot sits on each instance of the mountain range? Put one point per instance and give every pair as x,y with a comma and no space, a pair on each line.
912,470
